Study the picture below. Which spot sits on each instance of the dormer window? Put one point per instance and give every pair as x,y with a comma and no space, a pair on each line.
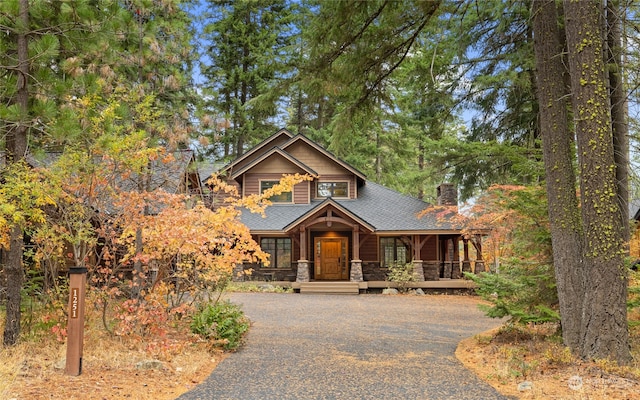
333,189
284,197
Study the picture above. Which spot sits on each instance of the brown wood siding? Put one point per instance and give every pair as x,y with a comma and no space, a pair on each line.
369,249
296,251
277,164
301,193
315,160
280,140
252,184
429,250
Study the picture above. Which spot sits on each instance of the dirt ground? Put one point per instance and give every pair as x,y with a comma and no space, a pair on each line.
43,377
543,369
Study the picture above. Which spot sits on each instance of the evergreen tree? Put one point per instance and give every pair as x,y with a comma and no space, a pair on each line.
56,54
247,45
32,87
589,241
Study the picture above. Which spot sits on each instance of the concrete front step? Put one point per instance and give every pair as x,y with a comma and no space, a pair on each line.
329,287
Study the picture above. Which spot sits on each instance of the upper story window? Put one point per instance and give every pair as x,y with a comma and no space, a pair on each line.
284,197
333,189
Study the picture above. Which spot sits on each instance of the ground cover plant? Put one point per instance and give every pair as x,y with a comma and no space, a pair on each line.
152,354
529,361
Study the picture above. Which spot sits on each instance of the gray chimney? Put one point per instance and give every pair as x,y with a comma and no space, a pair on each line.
447,195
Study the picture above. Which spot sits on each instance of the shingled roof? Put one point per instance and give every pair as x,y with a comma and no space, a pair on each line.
383,209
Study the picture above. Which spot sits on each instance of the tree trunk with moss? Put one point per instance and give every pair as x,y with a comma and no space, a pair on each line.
618,109
557,140
604,332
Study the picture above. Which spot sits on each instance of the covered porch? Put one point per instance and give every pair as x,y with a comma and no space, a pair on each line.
331,244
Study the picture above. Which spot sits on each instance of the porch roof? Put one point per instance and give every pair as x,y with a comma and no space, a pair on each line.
386,210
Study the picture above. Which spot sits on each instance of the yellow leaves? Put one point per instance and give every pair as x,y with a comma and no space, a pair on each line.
23,195
258,203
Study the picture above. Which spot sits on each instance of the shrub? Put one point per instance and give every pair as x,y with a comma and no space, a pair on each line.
223,323
401,274
524,292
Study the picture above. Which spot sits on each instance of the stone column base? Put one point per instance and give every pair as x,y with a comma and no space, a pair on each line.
356,271
480,267
418,271
456,273
431,270
466,266
238,273
448,267
303,271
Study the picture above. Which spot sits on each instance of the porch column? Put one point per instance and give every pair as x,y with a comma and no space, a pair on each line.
356,243
448,259
355,275
479,260
303,271
238,273
416,247
303,243
356,271
455,265
418,271
466,262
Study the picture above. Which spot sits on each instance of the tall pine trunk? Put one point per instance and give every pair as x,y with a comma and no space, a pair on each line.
604,315
16,148
618,109
557,143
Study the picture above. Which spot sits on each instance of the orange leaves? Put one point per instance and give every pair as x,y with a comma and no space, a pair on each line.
213,241
516,219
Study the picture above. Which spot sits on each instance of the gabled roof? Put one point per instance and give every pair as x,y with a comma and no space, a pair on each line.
266,155
328,154
257,148
326,204
382,209
391,211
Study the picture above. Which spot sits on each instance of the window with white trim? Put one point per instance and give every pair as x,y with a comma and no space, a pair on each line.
333,189
284,197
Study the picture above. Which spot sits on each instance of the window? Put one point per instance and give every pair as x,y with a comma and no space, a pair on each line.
393,250
333,189
279,250
284,197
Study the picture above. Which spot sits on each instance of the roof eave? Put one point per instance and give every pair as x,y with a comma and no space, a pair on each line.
320,206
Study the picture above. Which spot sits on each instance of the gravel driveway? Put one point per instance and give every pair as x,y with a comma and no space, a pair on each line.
351,347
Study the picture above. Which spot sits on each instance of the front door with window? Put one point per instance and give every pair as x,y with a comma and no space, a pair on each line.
331,259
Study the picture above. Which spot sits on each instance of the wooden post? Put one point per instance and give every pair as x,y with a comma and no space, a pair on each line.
75,322
303,243
356,242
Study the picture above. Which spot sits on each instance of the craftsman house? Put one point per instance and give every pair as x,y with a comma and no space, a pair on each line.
341,227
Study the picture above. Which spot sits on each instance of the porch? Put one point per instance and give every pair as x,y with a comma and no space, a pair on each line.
347,287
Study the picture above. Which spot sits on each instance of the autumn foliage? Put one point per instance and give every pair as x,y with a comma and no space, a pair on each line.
518,247
117,206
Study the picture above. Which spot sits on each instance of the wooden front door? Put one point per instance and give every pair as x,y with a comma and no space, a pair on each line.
331,258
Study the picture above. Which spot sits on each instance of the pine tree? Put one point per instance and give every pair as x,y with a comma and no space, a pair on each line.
247,52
